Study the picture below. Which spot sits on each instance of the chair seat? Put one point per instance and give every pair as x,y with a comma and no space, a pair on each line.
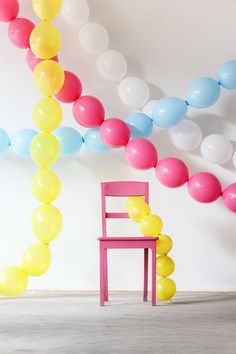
139,238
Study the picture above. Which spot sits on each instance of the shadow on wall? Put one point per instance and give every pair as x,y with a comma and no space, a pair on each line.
211,124
229,107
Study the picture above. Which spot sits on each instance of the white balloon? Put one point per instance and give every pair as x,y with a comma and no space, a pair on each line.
94,38
216,148
186,135
76,10
112,65
147,109
133,91
234,159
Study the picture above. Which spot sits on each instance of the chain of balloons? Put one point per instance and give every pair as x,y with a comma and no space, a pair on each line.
46,220
140,153
151,226
70,140
134,92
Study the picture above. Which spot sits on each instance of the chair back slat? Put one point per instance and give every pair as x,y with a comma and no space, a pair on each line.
117,215
125,189
120,189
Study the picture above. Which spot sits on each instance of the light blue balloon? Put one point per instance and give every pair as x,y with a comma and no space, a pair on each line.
93,141
4,141
134,132
70,140
169,111
227,75
21,140
140,125
203,93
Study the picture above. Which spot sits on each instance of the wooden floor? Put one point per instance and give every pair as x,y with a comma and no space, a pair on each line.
73,322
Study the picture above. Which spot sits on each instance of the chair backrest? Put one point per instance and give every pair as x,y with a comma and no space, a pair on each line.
120,189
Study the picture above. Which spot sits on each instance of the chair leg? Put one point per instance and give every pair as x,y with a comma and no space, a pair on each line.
101,275
154,276
105,276
145,284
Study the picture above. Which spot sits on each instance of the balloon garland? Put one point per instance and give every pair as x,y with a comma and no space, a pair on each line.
49,77
70,140
151,226
185,134
139,152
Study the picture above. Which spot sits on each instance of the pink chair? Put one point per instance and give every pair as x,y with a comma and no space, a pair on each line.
124,189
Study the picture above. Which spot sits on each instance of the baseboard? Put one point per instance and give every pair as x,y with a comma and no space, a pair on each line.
31,291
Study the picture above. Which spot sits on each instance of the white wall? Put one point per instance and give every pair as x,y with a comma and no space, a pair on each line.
168,43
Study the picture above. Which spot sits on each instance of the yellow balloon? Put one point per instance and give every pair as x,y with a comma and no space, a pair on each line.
45,40
47,114
48,77
138,211
45,9
36,259
13,281
164,266
45,149
164,244
151,225
165,289
46,186
130,201
46,223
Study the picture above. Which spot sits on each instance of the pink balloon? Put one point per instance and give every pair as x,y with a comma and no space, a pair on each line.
172,172
71,89
9,10
32,60
19,31
115,132
88,111
141,154
204,187
229,197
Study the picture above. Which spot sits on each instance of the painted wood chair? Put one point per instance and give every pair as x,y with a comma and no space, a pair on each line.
124,189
